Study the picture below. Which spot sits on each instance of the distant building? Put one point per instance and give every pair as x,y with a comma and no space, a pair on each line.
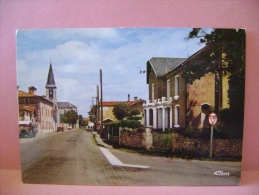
62,108
108,115
44,111
65,106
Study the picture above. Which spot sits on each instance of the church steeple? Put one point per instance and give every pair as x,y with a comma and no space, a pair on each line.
51,86
51,94
50,81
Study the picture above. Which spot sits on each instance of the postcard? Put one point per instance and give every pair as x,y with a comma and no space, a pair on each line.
131,106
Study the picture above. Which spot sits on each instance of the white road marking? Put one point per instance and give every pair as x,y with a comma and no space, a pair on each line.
116,162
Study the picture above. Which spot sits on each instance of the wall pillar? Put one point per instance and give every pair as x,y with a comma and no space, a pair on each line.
147,117
154,118
163,121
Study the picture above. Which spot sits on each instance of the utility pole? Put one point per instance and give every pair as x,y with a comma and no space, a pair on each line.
101,85
97,104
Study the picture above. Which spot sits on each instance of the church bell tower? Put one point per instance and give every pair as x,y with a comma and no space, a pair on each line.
51,94
51,88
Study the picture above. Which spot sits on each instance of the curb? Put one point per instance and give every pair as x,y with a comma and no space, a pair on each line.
99,141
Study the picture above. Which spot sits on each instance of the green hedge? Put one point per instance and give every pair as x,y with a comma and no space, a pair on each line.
124,123
134,118
113,127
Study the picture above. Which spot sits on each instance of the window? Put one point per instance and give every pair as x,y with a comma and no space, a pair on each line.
168,88
176,87
26,100
177,116
153,92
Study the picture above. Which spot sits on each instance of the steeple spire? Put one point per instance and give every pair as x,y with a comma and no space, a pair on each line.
50,81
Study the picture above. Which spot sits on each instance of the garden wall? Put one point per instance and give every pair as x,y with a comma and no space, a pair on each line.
201,147
139,139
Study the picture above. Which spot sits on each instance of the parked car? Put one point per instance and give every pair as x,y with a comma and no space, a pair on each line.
27,129
60,129
69,128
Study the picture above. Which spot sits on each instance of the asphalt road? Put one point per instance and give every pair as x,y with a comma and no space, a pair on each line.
74,158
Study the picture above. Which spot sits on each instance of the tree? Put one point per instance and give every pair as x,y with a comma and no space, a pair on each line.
82,122
230,43
133,114
120,110
69,117
93,113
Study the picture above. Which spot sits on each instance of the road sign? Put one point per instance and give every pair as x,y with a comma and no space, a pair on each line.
213,119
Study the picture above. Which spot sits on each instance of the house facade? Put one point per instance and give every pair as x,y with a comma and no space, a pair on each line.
173,103
108,106
39,110
27,113
62,108
159,109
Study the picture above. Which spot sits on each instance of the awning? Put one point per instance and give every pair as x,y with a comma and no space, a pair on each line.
24,122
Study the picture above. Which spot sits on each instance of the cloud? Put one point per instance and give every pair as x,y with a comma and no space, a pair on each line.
78,54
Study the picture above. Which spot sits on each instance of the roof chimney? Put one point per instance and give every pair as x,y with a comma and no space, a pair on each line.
32,90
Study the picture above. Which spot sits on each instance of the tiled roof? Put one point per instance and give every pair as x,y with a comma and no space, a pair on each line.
163,65
109,103
68,105
24,94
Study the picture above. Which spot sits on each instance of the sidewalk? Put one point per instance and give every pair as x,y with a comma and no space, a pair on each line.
99,140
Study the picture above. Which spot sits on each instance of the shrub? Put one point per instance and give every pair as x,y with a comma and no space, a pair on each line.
114,126
120,110
130,124
162,140
135,118
193,132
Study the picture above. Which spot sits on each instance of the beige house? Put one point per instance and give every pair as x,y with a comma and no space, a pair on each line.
108,107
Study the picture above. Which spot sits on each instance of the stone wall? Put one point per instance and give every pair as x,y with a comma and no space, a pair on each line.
220,147
139,139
